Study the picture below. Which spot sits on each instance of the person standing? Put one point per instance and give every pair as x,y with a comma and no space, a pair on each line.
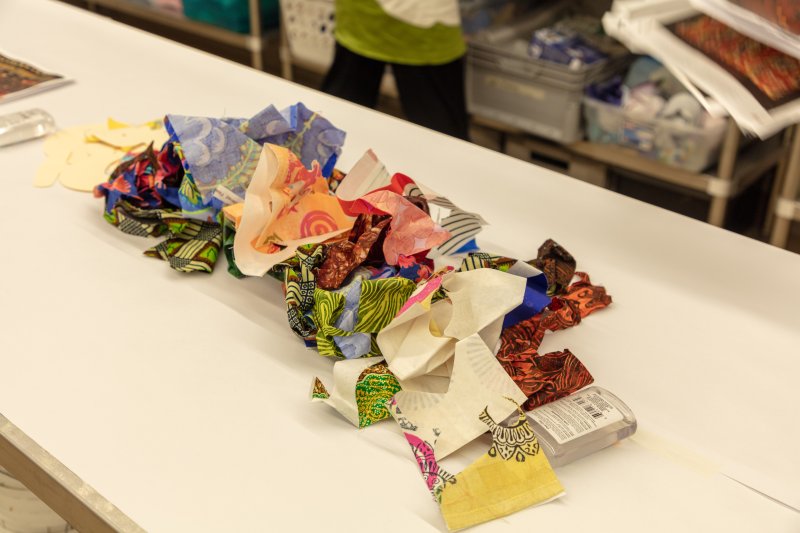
423,43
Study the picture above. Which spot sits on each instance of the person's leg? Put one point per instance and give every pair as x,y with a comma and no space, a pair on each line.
433,96
354,77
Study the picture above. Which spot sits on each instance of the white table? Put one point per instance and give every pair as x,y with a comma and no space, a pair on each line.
183,399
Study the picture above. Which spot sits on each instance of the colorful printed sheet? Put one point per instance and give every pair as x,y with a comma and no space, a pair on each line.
19,79
773,77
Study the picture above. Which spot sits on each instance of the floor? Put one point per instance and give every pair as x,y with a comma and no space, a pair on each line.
746,214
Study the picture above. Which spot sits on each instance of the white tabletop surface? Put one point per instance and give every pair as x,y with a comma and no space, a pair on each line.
183,399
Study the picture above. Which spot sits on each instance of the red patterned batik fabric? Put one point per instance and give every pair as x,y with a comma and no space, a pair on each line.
770,75
784,13
548,377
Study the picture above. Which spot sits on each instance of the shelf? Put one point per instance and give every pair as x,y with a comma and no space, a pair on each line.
252,42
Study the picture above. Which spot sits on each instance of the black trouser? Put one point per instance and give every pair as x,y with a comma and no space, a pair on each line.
431,96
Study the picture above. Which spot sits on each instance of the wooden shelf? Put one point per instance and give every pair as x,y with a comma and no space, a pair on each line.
252,42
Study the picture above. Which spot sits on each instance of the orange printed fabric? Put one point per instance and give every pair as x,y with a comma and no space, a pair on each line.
286,206
546,378
307,208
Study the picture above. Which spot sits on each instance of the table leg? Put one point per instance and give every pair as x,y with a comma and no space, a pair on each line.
727,162
791,184
256,44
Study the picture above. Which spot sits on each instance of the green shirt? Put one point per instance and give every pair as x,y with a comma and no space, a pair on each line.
363,27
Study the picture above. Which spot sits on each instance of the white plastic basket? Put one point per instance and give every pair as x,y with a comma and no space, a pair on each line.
688,147
308,25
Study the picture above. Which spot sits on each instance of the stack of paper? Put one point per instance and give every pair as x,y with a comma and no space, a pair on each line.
729,73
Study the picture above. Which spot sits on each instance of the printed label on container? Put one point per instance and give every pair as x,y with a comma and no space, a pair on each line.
576,415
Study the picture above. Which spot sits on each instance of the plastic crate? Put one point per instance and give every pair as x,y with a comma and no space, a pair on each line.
308,25
541,97
233,15
676,144
480,15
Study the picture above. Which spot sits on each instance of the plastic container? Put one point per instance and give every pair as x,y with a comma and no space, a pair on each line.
581,424
479,15
688,147
506,84
25,125
308,25
233,15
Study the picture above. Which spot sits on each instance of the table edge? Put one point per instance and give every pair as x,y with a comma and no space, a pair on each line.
74,500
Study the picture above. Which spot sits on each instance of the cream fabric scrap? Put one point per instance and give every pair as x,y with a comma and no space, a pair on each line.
83,156
366,175
477,381
424,336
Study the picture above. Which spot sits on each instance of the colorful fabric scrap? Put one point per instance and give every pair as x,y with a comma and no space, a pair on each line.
345,256
411,229
557,264
299,284
286,206
150,180
512,475
362,387
477,380
548,377
772,76
192,246
220,155
378,303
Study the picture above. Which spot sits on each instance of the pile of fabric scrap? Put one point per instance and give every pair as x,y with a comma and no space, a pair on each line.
381,275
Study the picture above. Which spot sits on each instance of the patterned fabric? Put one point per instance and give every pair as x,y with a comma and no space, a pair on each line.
375,386
515,441
150,180
345,256
411,230
557,264
379,301
360,392
357,344
307,134
435,477
546,378
784,13
223,153
192,246
214,153
299,285
771,76
462,225
228,236
287,206
512,475
318,390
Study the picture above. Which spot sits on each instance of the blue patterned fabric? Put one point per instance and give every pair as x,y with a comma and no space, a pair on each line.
357,344
224,152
